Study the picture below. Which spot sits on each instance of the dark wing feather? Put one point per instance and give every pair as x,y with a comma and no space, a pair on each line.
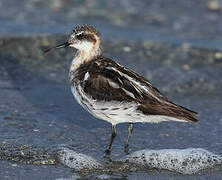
99,87
111,81
160,105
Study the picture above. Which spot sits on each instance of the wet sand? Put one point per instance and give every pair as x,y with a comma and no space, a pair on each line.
174,44
39,114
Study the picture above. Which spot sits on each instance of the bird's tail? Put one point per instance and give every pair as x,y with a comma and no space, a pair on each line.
188,115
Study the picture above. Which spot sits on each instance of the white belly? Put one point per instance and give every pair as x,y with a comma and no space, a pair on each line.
115,112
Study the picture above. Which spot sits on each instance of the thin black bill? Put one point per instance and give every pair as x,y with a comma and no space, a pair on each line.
63,45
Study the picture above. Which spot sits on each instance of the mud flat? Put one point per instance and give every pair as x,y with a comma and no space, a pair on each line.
39,116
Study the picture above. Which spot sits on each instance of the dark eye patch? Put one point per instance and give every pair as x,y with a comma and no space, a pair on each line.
80,36
87,37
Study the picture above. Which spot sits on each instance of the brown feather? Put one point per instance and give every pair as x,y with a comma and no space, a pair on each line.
151,102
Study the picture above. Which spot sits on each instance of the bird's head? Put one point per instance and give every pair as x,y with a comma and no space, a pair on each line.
83,38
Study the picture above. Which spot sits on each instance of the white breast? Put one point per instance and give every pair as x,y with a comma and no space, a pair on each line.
115,112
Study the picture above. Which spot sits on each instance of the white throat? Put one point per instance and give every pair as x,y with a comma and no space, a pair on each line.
83,46
81,57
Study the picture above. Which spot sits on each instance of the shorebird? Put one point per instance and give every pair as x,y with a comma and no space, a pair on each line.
112,92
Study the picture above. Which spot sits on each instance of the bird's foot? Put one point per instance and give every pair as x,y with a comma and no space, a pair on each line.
107,155
126,148
108,152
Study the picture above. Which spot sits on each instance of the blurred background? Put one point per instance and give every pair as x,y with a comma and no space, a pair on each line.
196,22
177,45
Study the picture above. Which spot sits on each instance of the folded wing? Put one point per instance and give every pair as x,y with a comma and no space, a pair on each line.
110,81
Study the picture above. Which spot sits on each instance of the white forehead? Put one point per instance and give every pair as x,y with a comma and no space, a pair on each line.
77,34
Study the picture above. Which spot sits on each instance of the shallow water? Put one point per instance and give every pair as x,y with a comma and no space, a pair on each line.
181,55
39,114
169,21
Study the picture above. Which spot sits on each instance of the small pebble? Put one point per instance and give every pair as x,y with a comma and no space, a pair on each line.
52,74
168,62
14,165
186,46
126,49
213,6
186,67
42,162
218,55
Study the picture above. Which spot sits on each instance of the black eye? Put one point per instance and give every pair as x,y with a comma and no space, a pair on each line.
79,36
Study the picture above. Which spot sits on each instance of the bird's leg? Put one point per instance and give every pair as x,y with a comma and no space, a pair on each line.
130,130
108,150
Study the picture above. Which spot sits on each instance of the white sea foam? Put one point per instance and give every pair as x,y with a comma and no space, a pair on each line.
185,161
77,161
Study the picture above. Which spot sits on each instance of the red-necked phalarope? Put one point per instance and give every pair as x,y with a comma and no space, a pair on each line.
112,92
